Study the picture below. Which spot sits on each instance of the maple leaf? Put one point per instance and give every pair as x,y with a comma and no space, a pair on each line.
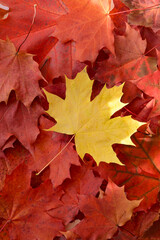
10,158
89,120
129,62
23,210
103,216
82,182
46,147
19,121
38,25
138,224
150,86
141,172
22,12
88,24
61,60
18,72
40,42
148,13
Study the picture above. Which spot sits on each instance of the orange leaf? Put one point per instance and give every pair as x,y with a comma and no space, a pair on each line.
87,23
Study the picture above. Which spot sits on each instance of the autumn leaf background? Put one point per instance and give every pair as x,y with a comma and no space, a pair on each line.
79,119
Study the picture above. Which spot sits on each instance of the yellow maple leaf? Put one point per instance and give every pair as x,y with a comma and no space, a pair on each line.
89,120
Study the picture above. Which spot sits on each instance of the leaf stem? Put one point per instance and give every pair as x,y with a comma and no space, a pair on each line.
138,9
56,155
34,15
152,49
44,64
4,225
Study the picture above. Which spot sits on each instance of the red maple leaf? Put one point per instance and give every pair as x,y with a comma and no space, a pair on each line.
130,61
103,216
23,210
147,13
138,225
45,12
18,72
10,158
150,86
88,24
141,172
61,60
40,42
19,121
82,182
37,18
46,147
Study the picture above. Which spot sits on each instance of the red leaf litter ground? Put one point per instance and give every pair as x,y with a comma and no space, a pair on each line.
46,191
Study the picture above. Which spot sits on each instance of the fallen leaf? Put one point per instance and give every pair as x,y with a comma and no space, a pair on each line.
89,120
82,182
104,216
152,40
23,210
141,172
18,72
61,60
10,158
150,86
88,24
46,147
149,17
138,225
17,120
129,62
46,13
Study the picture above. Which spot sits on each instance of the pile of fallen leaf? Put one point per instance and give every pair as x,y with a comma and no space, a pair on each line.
79,119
